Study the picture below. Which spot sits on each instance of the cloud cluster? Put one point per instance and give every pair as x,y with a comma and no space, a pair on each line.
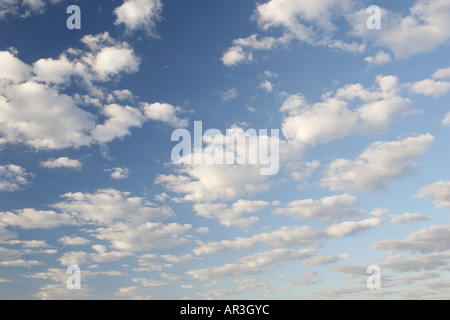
13,178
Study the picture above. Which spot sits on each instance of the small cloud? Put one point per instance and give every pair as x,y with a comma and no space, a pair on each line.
119,173
229,95
380,58
266,85
62,162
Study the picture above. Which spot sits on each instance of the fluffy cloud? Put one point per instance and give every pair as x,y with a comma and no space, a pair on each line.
446,121
439,192
283,237
165,113
139,14
242,49
34,219
407,218
109,206
325,259
13,178
329,209
350,228
73,241
430,87
147,236
24,8
210,182
251,264
380,58
62,162
333,118
379,164
119,173
427,240
234,215
425,28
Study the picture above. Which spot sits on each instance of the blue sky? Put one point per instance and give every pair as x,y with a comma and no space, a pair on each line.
86,176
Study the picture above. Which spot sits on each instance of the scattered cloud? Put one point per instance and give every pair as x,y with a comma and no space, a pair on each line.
378,165
62,162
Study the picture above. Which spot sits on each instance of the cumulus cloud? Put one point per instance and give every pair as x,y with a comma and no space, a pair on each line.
107,206
428,240
379,164
13,178
329,209
24,8
283,237
73,241
430,87
350,228
139,14
335,117
446,121
407,218
119,173
242,49
166,113
380,58
35,219
439,192
234,215
251,265
62,162
423,29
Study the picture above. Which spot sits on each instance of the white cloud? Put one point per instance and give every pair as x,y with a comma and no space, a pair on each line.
283,237
425,28
165,113
34,219
13,178
430,87
333,118
379,164
442,74
380,58
139,14
73,241
24,8
62,162
56,71
147,236
41,117
446,121
428,240
234,215
407,218
119,173
350,228
329,209
203,183
108,206
251,265
266,85
242,49
13,69
321,260
229,95
439,192
119,121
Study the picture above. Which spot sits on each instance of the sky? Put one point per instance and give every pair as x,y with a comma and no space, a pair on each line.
87,177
